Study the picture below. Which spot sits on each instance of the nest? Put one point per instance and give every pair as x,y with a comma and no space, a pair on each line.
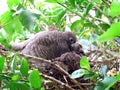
69,62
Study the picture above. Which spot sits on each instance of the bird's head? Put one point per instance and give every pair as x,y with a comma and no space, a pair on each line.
77,48
70,37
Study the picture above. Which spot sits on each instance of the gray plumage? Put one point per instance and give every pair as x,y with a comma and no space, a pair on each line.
47,44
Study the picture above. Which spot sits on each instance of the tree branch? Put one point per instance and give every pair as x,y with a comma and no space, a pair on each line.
56,81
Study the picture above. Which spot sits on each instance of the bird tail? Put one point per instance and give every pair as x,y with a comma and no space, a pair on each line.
19,46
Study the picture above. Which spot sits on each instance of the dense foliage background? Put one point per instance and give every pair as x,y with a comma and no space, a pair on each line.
95,23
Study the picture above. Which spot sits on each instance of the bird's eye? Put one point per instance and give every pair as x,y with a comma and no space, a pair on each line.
71,40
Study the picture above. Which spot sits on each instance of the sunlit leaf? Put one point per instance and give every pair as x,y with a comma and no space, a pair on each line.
111,33
118,76
15,77
13,26
12,3
84,63
10,24
32,1
114,11
7,16
97,1
5,42
53,1
35,79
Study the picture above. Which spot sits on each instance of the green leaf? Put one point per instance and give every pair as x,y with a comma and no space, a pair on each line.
114,11
77,24
7,16
12,3
109,81
32,1
13,64
84,63
78,73
53,1
60,16
88,8
4,41
13,26
106,83
24,67
50,1
98,14
15,77
10,24
72,3
90,75
36,29
99,86
35,79
1,63
6,21
118,77
17,86
104,26
28,18
97,1
111,33
85,32
103,70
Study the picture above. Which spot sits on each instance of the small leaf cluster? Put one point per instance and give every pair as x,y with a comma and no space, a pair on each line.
92,21
103,81
19,77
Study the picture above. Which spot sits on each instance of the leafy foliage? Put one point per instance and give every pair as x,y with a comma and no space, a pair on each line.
84,63
27,19
1,63
35,79
24,67
93,21
111,33
104,84
114,8
78,73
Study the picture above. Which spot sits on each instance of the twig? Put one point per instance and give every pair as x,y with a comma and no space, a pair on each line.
93,23
98,19
114,54
107,3
56,81
95,6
